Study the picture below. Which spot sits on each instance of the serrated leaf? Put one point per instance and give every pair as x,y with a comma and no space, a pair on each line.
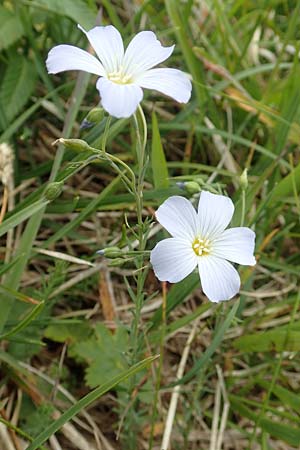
78,10
104,354
158,160
11,28
70,333
17,86
88,400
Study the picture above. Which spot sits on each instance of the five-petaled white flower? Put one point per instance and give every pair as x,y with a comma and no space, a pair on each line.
200,239
123,74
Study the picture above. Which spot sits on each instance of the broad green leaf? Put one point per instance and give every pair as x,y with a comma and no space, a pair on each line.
17,86
273,340
158,160
285,186
11,28
68,332
87,400
79,10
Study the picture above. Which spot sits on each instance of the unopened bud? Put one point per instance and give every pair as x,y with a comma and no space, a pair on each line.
75,144
94,116
53,190
192,187
244,179
110,252
117,262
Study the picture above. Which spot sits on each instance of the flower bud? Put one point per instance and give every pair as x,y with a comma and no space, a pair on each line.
53,190
110,252
75,144
94,116
117,262
192,187
244,179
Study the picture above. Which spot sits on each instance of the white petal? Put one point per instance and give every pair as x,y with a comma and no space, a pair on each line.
68,57
143,52
107,43
171,82
214,213
173,259
178,216
219,279
119,100
236,245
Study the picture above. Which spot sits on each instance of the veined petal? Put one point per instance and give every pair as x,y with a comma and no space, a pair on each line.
236,245
119,100
178,216
143,52
171,82
214,214
68,57
107,43
173,259
219,279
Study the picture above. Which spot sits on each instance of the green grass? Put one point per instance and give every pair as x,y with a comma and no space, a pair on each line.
243,360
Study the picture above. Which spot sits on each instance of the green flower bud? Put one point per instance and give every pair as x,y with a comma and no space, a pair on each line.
94,116
192,187
53,190
117,262
244,179
75,144
111,252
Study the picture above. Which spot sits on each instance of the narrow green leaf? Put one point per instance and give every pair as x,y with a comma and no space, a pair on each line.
22,215
158,160
287,397
276,429
87,400
26,321
218,337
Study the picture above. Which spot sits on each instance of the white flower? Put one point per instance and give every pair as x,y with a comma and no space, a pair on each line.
200,239
122,74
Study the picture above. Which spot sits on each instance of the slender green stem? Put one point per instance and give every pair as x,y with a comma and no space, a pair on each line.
161,360
141,147
141,139
105,134
243,212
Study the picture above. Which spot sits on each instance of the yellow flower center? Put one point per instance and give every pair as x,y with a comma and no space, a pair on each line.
201,246
119,77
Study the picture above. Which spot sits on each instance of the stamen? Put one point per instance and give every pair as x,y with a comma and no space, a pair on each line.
119,76
201,246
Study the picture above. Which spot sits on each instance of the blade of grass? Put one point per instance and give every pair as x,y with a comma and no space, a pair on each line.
13,278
